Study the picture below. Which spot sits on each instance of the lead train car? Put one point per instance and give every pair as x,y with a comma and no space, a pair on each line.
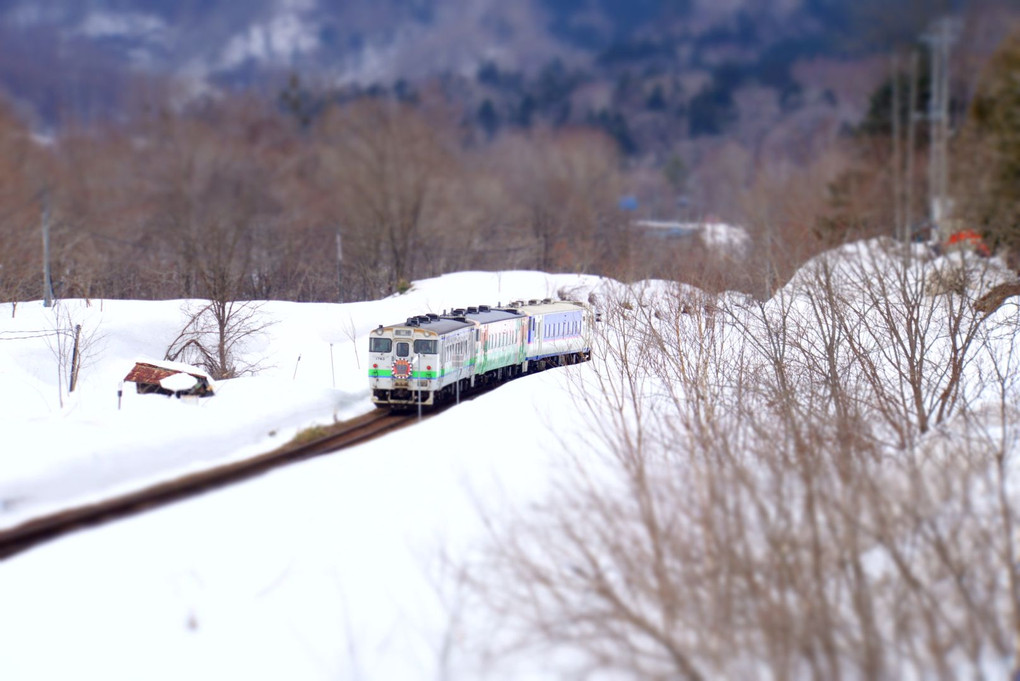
431,358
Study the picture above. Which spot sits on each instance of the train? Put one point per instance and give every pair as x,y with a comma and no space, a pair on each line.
431,359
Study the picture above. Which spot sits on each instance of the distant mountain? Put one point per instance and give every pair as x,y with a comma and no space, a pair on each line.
635,67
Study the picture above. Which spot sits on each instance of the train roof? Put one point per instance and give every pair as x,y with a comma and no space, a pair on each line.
483,314
545,306
434,323
460,318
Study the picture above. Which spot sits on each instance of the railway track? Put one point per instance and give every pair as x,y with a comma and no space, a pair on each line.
327,440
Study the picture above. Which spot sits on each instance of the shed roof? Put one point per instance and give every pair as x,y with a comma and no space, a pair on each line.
154,372
146,373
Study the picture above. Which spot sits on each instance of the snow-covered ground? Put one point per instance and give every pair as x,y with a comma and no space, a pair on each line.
344,566
326,569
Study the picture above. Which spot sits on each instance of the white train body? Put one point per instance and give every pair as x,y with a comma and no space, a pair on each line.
432,358
557,331
420,358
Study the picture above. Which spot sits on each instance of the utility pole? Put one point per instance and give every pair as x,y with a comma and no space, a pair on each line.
911,144
47,282
897,156
939,38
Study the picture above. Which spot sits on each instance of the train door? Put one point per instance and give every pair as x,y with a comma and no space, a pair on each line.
402,362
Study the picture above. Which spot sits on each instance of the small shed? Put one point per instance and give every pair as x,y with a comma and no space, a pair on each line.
170,378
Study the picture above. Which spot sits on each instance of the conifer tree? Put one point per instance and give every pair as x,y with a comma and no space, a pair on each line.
989,151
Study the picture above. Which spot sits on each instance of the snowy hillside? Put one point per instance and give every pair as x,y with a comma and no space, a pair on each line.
312,370
555,522
336,551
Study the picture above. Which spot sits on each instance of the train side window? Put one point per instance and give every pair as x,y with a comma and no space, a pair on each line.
380,345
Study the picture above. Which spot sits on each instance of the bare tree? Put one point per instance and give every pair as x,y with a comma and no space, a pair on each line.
23,169
384,162
215,336
563,190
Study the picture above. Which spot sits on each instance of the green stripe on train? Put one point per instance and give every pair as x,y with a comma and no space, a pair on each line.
388,373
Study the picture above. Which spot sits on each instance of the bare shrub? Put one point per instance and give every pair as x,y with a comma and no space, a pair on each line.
73,344
762,490
951,278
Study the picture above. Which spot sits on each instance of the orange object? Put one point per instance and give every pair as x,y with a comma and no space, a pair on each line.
968,237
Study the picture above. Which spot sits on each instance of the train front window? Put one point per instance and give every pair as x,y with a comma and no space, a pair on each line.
380,345
403,349
425,347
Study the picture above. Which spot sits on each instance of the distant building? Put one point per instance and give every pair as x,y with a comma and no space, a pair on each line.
667,229
716,236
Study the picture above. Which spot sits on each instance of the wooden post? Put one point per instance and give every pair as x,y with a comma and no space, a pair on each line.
73,381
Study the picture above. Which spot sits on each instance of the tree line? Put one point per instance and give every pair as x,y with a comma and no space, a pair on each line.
232,198
240,197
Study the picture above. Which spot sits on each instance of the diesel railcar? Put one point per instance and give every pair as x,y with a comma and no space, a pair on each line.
432,358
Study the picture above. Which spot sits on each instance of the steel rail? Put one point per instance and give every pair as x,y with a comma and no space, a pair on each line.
339,436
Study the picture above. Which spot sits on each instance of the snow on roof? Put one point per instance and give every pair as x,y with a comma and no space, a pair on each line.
669,227
178,382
